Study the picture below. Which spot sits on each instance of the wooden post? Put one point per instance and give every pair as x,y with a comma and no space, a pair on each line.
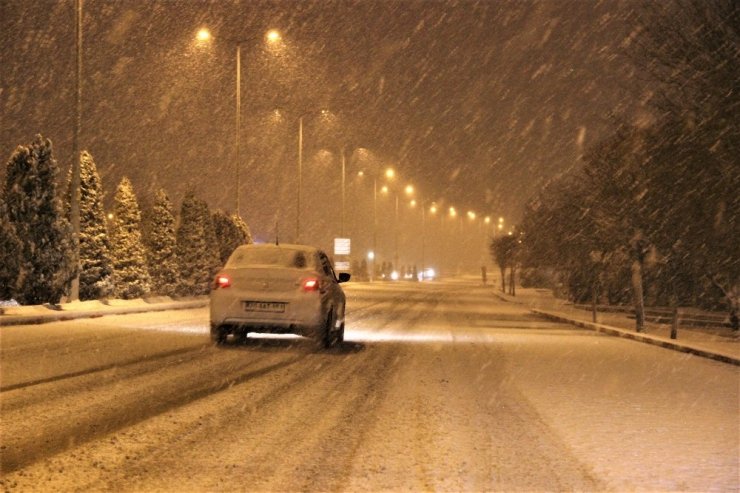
594,295
674,324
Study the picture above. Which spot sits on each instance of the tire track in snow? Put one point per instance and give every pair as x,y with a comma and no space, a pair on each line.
100,368
129,399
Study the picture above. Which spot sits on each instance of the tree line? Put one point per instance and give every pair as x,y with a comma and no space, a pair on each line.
127,254
651,213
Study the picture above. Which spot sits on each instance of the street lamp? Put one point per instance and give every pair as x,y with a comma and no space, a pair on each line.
325,113
74,213
409,190
389,173
204,36
433,210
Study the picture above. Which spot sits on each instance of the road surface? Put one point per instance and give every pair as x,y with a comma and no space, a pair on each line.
439,386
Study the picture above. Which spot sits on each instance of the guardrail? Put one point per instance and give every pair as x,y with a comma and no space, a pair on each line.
687,316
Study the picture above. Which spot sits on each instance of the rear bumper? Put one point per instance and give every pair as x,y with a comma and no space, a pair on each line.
303,315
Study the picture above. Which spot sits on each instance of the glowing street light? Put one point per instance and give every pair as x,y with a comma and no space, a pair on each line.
203,35
273,36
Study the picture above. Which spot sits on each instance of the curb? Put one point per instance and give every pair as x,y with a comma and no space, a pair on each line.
640,337
8,320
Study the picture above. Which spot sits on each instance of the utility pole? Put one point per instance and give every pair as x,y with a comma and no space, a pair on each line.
74,293
343,194
300,181
238,117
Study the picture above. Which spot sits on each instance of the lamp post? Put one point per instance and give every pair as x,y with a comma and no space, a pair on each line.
272,36
300,181
238,125
423,232
74,293
409,190
344,179
432,210
389,174
324,113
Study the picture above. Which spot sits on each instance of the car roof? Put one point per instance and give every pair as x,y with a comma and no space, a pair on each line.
285,246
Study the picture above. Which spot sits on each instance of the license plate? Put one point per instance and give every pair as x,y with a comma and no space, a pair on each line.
264,306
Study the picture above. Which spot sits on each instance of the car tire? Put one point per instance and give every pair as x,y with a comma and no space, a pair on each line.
218,334
325,335
240,336
340,335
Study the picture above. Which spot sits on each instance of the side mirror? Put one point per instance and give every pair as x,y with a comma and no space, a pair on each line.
344,276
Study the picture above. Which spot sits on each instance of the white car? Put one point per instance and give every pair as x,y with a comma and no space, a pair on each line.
284,289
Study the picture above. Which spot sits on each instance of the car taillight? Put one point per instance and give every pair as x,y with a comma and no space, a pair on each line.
310,284
221,281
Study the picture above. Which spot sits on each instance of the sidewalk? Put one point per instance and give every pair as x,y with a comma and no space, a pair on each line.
39,314
720,344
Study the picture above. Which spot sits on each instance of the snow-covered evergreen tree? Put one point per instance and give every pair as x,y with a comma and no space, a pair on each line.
159,239
48,257
213,257
10,254
246,233
192,251
229,235
96,265
130,273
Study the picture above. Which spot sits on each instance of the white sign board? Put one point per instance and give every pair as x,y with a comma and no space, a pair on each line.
341,246
343,266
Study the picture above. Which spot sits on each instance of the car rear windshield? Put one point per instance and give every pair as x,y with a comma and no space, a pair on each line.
272,257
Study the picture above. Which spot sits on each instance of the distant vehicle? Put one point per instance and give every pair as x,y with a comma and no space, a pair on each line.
283,289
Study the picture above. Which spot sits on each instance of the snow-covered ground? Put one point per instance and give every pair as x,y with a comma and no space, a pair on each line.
438,387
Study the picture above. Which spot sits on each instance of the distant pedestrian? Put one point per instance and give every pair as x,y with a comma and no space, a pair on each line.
484,274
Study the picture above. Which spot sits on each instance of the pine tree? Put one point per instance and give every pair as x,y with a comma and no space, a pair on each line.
228,233
191,249
10,250
159,239
131,276
96,265
246,233
48,257
213,257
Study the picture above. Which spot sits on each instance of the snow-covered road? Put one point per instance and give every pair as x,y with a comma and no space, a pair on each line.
437,387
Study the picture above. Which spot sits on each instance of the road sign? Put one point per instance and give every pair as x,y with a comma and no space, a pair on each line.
341,246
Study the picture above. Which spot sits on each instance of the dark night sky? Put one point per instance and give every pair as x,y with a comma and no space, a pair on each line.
477,103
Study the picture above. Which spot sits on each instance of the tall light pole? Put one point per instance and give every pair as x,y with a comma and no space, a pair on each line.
343,192
395,224
204,36
389,174
74,292
375,221
300,173
433,210
409,190
238,124
300,181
